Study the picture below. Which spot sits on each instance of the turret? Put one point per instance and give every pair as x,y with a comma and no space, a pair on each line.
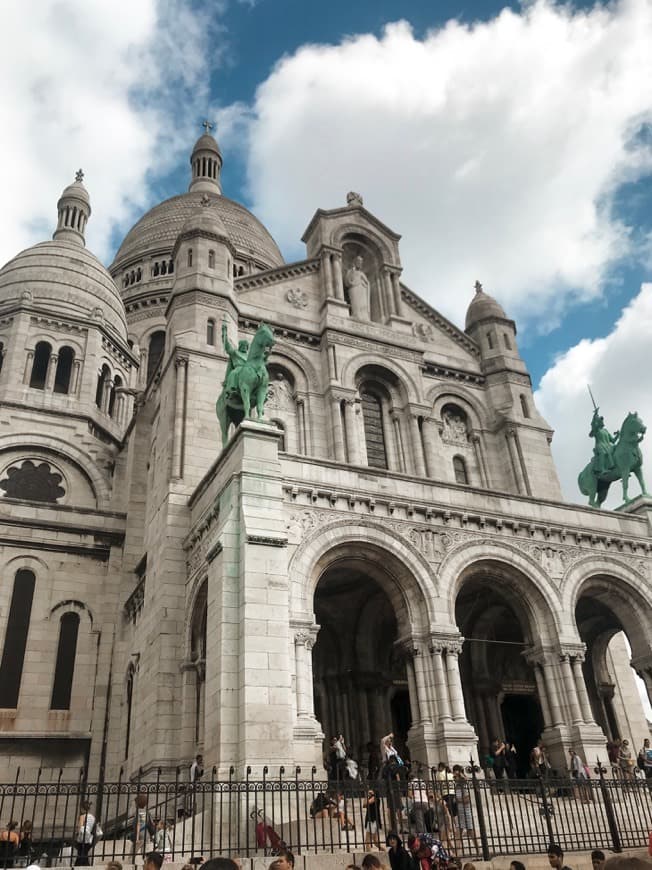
74,210
494,332
206,164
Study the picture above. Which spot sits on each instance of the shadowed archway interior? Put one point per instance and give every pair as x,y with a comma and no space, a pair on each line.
500,691
360,681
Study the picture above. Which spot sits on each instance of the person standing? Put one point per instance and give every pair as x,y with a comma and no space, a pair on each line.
464,810
372,821
625,760
580,778
399,857
88,831
196,774
556,857
645,758
9,842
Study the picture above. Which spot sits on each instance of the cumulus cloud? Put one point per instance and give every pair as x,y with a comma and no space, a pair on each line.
494,148
617,368
112,86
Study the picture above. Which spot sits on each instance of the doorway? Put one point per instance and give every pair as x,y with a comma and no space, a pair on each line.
523,723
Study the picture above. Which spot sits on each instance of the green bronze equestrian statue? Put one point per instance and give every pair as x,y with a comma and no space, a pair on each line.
615,457
246,380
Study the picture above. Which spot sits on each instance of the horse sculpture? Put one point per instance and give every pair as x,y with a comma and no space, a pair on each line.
615,462
245,385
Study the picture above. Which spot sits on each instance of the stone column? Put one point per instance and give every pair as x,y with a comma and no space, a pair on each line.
301,426
571,689
543,697
550,679
455,682
303,644
510,435
388,292
417,446
398,440
328,273
441,686
398,298
429,445
338,433
181,366
51,372
74,380
106,397
422,688
412,685
142,371
28,366
352,439
476,440
580,684
338,283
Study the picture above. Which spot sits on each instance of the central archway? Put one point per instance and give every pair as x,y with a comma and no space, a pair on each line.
501,692
359,674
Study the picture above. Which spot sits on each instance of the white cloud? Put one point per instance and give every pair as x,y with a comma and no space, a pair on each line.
112,86
617,367
494,149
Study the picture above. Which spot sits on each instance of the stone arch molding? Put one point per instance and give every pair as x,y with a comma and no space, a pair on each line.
66,450
633,607
72,606
417,587
442,394
362,229
193,600
540,598
352,366
305,376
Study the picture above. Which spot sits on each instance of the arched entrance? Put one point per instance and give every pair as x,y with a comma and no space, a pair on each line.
499,683
359,672
613,630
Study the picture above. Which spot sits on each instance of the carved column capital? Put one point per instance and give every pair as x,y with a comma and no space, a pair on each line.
181,360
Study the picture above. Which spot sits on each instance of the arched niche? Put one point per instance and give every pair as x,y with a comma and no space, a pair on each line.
356,245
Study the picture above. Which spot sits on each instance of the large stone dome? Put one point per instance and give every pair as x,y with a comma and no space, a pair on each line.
67,279
156,232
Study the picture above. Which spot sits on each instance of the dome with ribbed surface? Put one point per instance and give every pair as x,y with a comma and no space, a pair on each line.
483,306
157,231
67,279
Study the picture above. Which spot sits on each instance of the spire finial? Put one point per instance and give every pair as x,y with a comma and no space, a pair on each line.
79,175
207,126
478,287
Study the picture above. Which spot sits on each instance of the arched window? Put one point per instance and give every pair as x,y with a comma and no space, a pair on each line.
155,352
2,354
129,691
459,467
170,267
40,365
13,654
117,383
281,440
210,331
65,665
189,257
211,259
525,408
508,343
163,268
64,370
490,341
155,270
139,274
102,378
372,417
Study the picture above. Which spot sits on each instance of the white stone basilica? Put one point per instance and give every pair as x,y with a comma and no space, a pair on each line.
389,551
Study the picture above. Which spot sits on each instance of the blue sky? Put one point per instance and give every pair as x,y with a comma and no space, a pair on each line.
508,143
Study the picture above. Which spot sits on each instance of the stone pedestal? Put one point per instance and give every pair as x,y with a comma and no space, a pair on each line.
454,742
641,506
399,324
335,308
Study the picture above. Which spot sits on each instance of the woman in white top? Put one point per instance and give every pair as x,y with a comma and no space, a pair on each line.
88,831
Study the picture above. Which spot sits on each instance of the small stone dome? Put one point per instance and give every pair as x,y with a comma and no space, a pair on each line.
76,190
206,142
68,280
482,307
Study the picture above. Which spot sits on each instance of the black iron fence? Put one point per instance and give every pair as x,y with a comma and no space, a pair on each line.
471,817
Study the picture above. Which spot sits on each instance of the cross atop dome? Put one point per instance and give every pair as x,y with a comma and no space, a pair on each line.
207,126
79,175
478,287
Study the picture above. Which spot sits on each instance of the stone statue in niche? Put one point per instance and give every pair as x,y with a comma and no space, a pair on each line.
357,284
454,428
279,392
